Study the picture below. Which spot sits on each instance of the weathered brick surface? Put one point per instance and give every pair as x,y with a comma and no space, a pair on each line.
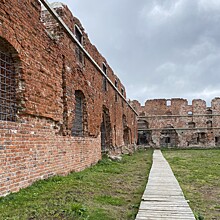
174,123
39,144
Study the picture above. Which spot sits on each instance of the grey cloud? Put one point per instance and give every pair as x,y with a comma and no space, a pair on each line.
159,49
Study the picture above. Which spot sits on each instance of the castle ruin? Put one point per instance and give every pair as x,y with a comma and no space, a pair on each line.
175,123
62,105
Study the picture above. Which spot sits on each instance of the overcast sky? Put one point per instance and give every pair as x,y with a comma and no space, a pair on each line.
158,48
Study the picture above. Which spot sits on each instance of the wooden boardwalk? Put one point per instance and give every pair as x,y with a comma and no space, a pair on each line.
163,198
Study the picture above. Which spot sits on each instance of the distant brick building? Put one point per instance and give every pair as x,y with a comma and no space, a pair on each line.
59,109
174,123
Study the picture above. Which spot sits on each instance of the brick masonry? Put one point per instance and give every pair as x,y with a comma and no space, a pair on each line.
49,70
175,123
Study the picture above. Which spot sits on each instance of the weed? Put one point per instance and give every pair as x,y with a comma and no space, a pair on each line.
77,210
199,216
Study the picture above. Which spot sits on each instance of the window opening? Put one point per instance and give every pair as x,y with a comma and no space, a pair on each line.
167,140
78,34
8,107
122,101
78,127
116,93
168,113
104,68
168,103
209,124
203,135
122,92
217,141
169,137
202,138
209,113
116,83
79,52
192,124
190,113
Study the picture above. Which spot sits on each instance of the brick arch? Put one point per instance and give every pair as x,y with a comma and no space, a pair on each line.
9,80
10,45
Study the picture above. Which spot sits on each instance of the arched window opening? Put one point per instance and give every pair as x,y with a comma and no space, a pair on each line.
192,124
8,76
202,137
209,113
169,137
209,124
169,113
79,117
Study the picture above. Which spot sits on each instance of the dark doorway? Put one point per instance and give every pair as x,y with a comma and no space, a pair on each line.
127,131
202,138
126,136
144,135
217,141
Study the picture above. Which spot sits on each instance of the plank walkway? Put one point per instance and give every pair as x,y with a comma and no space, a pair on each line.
163,198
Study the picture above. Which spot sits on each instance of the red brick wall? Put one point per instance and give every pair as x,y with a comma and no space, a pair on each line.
39,144
159,115
33,150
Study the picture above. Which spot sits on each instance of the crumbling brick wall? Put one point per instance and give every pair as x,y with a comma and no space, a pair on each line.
39,141
175,123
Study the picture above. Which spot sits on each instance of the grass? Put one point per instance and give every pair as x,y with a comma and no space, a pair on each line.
198,172
107,191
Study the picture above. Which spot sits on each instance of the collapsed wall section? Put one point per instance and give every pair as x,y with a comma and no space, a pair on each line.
53,111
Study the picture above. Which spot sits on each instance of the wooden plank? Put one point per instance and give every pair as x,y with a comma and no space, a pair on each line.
163,198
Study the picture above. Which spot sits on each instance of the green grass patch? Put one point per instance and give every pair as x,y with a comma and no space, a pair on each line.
109,200
107,191
198,172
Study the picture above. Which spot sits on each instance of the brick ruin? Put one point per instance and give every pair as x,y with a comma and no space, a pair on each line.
59,110
175,123
62,106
